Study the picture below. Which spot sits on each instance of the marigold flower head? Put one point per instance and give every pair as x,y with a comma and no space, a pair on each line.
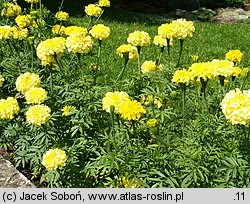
27,81
62,16
100,31
79,44
19,33
182,77
161,41
49,49
35,95
139,38
10,9
152,122
234,55
114,99
5,32
150,66
236,106
104,3
135,183
131,110
127,50
24,21
38,114
167,30
75,30
58,29
1,80
67,110
8,108
93,10
183,28
54,158
32,1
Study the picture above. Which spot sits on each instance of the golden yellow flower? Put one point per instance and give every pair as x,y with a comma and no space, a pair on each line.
93,10
114,99
50,49
236,106
161,41
9,9
67,110
135,183
131,110
54,158
19,33
234,55
62,16
104,3
5,32
24,21
129,51
182,77
27,81
167,30
150,66
35,96
152,122
79,44
100,31
75,30
38,114
183,28
8,108
139,38
58,29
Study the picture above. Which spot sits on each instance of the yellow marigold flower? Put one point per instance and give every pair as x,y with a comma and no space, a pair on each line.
79,44
182,77
234,55
10,9
58,29
135,183
161,41
129,51
100,31
183,28
32,1
93,10
149,66
8,108
35,96
49,49
104,3
5,32
237,71
158,101
236,106
114,99
62,16
139,38
152,122
67,110
167,30
38,114
54,158
23,21
131,110
19,33
1,80
221,68
27,81
75,30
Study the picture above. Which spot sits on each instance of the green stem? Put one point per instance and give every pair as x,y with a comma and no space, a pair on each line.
99,51
79,60
139,63
51,82
134,128
183,86
159,59
112,110
60,7
60,67
180,53
168,45
123,69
